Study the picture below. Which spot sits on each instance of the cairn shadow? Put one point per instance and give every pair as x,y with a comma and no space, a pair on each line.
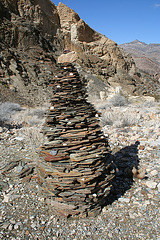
122,164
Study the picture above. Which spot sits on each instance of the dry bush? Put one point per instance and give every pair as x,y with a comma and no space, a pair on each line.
32,121
31,116
101,105
32,137
7,110
118,119
117,100
27,123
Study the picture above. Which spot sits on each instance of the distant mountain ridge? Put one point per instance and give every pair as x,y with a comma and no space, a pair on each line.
146,56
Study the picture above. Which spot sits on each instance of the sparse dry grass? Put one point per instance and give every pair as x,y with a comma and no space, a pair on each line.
118,119
117,100
27,123
117,112
7,110
32,136
32,121
30,116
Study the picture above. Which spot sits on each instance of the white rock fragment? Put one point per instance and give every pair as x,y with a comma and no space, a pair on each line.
17,225
53,152
10,227
6,197
151,184
110,234
104,210
33,225
51,107
12,221
158,186
5,225
126,200
19,138
147,202
154,173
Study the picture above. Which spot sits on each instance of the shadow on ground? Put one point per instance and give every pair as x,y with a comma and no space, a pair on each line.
122,163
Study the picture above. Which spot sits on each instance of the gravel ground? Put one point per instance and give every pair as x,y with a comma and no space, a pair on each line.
132,210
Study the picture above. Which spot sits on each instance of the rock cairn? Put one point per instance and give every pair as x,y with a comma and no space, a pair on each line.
74,162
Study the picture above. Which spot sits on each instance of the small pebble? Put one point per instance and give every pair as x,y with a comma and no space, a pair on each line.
10,227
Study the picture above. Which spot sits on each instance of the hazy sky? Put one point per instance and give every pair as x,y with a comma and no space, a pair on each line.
120,20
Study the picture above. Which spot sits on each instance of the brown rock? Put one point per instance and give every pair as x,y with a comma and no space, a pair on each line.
141,147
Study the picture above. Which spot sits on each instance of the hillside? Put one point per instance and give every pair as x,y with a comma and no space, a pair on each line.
146,56
34,35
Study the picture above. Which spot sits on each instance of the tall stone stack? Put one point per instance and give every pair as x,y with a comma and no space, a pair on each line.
74,162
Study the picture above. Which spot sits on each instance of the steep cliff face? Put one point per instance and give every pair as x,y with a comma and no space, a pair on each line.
33,37
27,60
28,14
79,36
101,56
43,15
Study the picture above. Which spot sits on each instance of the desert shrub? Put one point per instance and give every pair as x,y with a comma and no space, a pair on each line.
117,100
32,136
118,119
7,110
125,120
101,105
149,104
107,118
31,116
39,112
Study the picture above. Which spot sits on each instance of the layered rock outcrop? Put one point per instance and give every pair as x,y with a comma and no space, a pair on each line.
27,59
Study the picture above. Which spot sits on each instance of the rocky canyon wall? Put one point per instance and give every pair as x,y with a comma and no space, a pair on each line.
35,35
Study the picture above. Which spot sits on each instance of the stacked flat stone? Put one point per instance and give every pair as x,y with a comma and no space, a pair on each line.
74,162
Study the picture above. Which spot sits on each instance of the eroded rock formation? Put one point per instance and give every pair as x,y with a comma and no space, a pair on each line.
102,56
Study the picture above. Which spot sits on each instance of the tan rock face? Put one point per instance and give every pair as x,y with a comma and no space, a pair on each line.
69,57
102,56
67,15
42,13
79,37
